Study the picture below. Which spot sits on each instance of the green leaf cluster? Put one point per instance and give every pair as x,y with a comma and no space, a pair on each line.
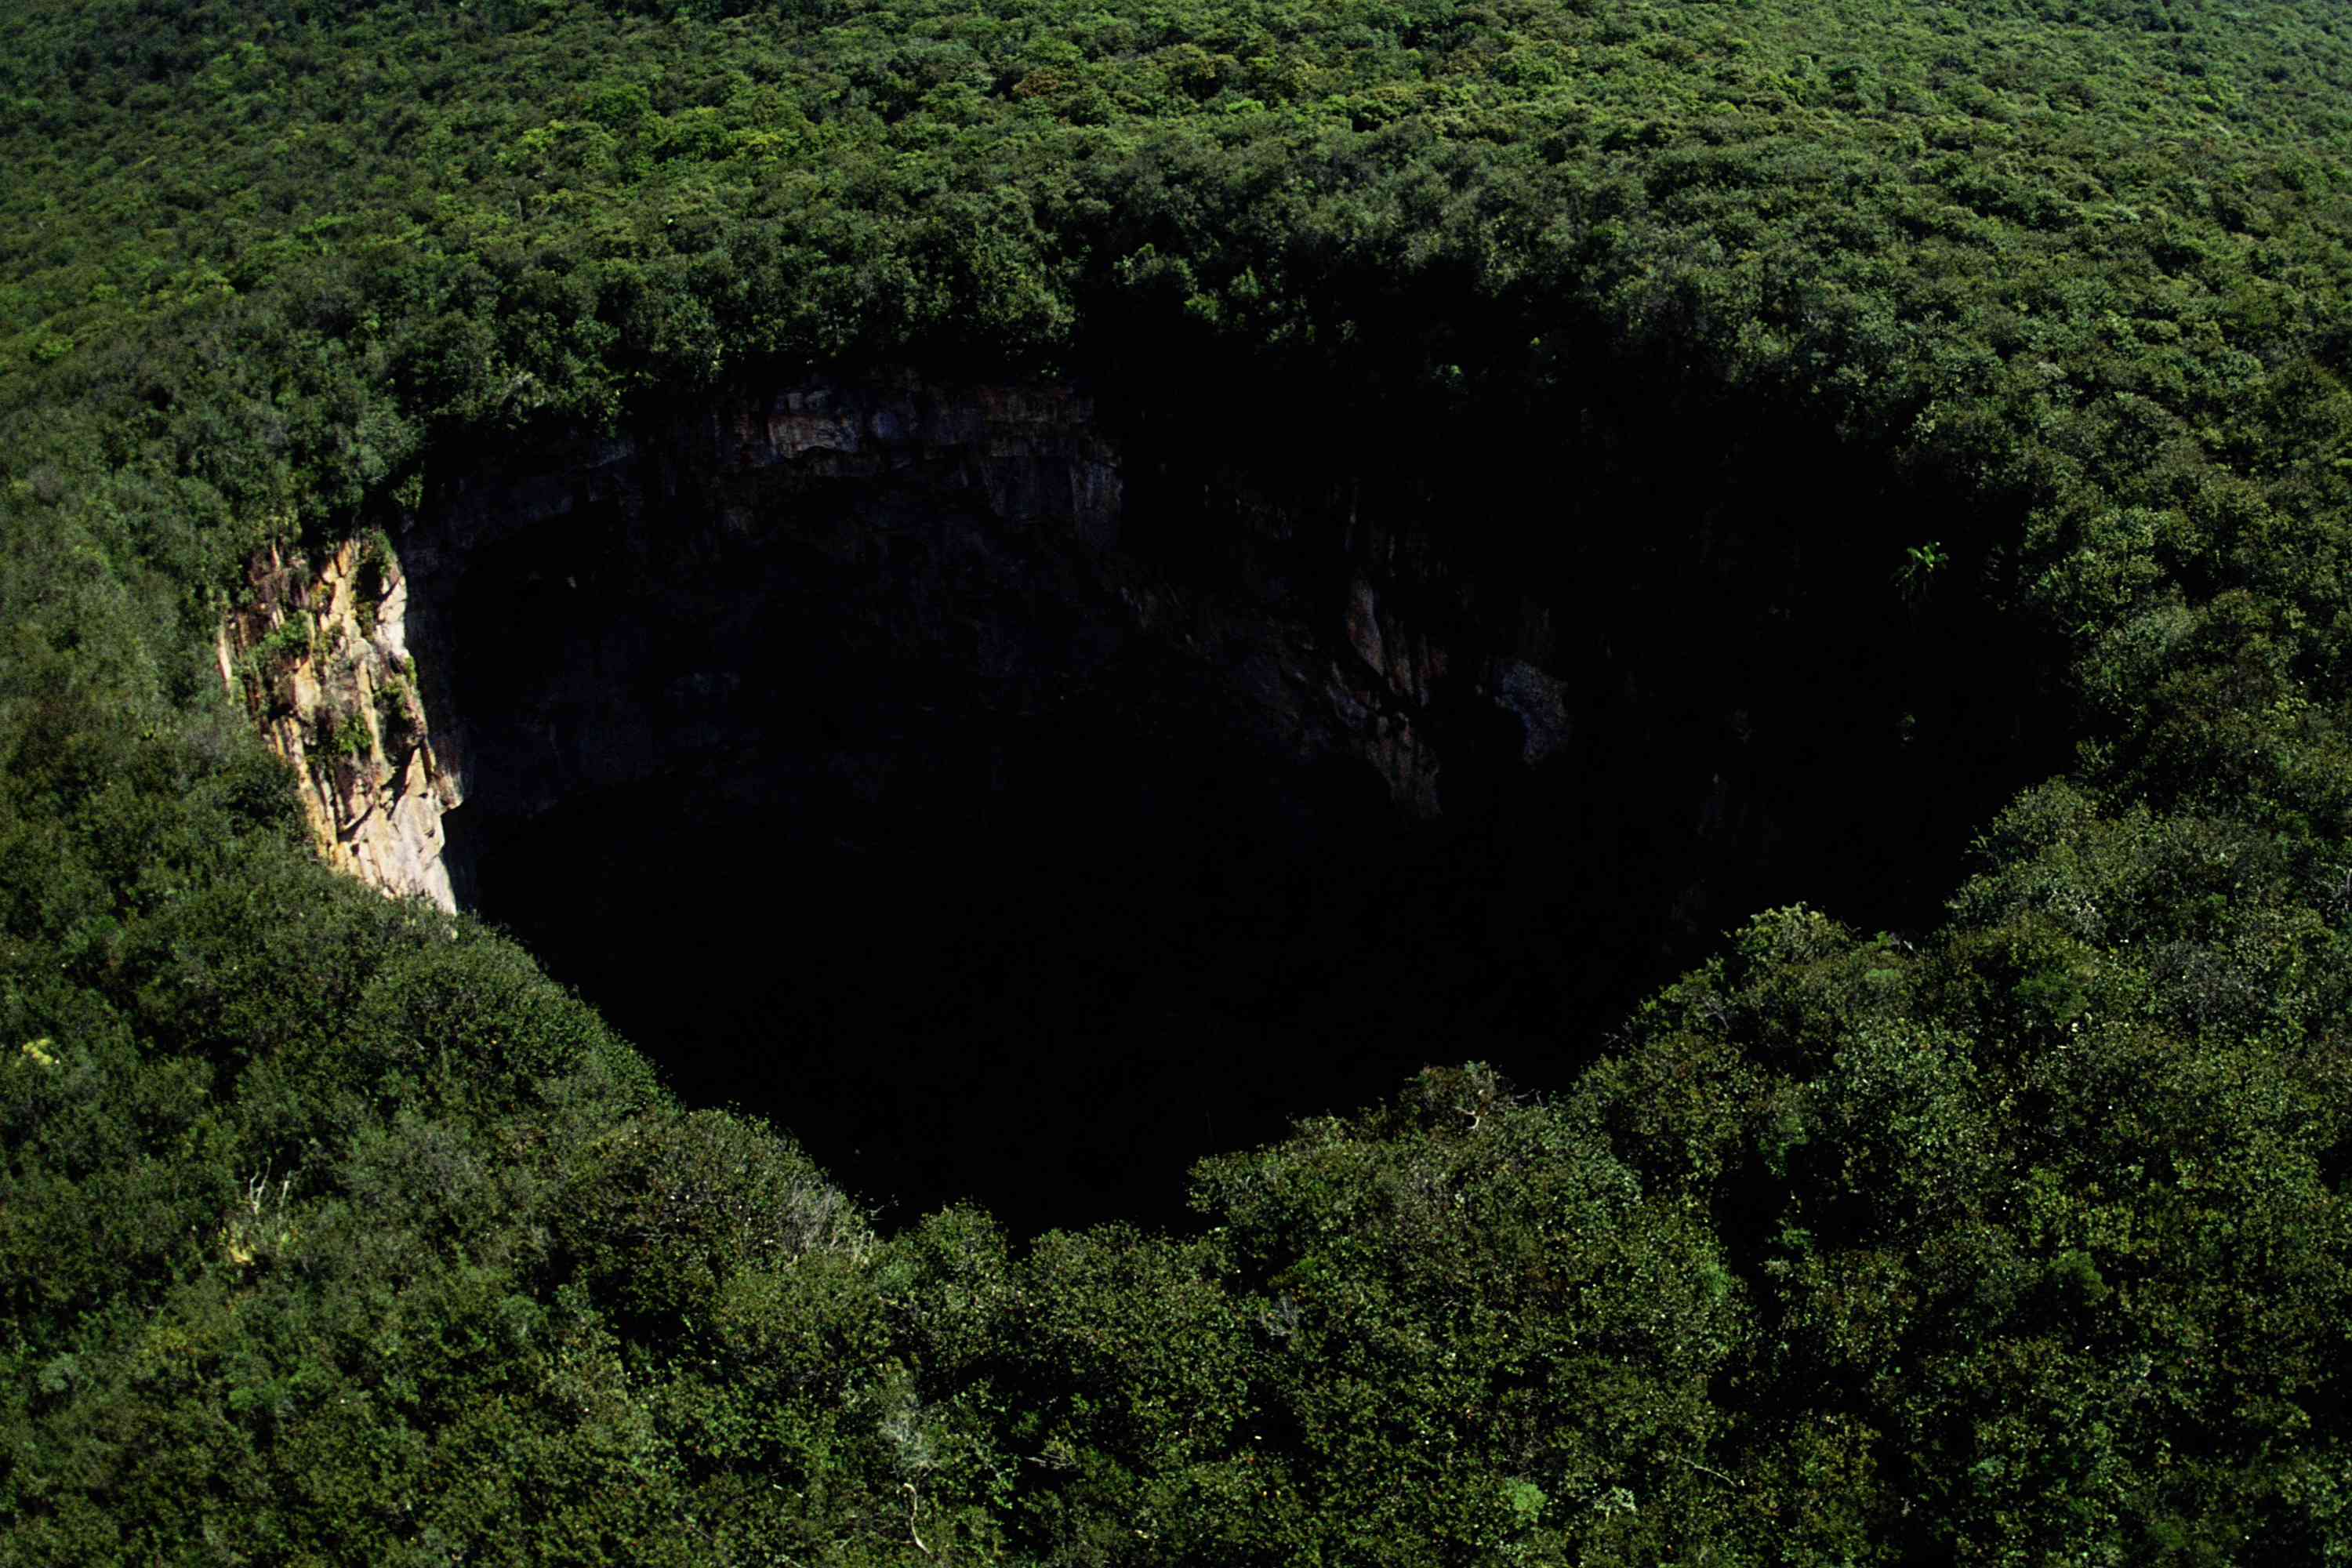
331,1230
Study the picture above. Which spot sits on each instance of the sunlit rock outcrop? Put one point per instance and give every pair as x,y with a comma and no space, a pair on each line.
319,655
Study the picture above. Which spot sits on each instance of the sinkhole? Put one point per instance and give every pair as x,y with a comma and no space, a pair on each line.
1017,791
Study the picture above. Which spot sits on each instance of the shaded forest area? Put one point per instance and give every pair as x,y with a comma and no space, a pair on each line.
332,1229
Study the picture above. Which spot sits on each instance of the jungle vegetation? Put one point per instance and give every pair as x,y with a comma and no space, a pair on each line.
331,1230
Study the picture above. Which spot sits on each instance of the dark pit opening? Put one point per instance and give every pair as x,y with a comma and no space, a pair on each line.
1001,836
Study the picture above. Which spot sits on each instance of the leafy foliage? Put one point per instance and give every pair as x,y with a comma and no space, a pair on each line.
330,1229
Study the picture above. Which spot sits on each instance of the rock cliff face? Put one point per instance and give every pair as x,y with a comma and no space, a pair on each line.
985,525
982,524
1016,788
320,657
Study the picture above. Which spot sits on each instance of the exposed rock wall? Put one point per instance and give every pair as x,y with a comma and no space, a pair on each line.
861,583
915,759
319,655
959,514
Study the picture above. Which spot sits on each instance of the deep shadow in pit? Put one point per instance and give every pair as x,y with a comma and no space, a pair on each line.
1042,942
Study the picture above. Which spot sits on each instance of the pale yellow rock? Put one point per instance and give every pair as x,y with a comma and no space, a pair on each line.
319,694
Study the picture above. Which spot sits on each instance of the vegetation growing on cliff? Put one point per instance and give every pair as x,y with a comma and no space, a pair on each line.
330,1229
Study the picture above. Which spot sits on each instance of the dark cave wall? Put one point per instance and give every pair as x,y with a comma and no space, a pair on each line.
1017,791
989,535
978,531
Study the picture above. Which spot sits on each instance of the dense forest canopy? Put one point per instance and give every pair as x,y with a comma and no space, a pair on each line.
331,1230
